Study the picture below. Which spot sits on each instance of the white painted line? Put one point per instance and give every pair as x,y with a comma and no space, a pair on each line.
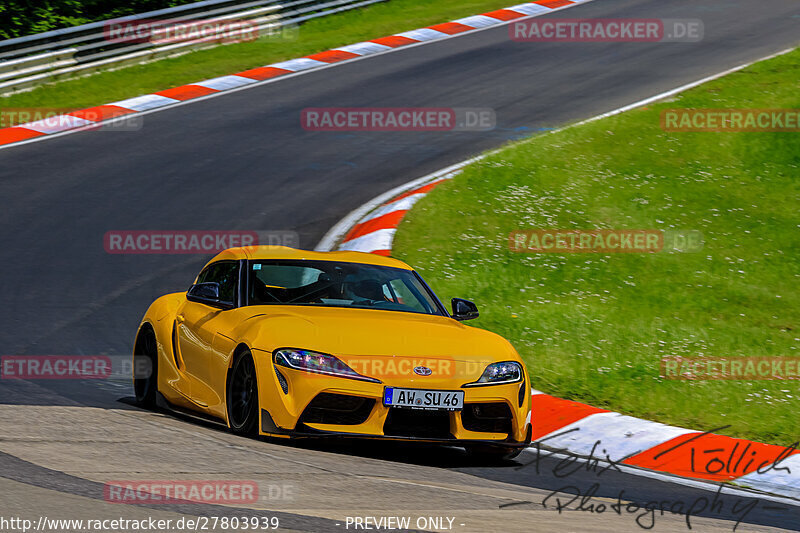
673,92
377,240
145,102
225,82
364,48
56,124
424,34
530,9
478,21
296,65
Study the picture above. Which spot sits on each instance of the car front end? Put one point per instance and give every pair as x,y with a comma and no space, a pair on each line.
452,393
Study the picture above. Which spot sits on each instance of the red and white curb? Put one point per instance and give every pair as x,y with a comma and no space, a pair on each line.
91,117
586,431
371,227
375,232
589,432
689,457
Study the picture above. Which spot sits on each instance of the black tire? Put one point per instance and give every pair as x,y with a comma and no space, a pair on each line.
242,396
145,368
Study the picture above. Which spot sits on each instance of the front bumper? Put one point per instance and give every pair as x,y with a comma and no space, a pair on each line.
309,433
293,414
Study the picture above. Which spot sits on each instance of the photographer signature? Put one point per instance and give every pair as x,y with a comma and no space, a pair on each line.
599,461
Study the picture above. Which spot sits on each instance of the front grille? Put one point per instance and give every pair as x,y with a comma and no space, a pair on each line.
417,423
328,408
487,417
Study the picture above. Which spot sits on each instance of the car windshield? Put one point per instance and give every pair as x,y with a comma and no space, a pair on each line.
338,284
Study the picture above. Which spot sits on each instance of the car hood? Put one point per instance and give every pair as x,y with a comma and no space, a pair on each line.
367,332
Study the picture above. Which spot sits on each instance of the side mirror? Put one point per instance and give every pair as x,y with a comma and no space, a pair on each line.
463,309
207,293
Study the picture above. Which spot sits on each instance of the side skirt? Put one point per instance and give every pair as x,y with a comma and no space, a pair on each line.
164,404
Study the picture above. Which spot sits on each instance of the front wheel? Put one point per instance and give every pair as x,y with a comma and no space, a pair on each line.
145,368
242,398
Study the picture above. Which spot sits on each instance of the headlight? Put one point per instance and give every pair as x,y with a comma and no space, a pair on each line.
498,374
318,363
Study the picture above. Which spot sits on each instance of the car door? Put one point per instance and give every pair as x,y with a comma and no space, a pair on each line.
197,325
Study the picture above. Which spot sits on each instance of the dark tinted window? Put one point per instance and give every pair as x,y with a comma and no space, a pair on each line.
226,273
338,284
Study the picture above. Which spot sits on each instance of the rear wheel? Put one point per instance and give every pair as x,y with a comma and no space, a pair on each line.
145,368
242,397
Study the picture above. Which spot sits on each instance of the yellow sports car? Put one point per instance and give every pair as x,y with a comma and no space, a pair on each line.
290,343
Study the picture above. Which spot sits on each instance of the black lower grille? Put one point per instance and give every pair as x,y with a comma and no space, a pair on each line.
282,381
328,408
417,423
487,417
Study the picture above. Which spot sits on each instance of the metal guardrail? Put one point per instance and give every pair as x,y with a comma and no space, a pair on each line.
26,62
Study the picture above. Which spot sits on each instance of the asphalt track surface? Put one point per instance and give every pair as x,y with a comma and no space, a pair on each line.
242,161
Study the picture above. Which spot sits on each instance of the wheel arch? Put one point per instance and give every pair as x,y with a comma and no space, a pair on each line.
146,325
237,352
159,319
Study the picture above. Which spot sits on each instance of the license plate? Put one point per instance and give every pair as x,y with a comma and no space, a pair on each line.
423,399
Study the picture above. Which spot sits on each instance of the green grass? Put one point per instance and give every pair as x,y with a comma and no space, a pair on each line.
594,327
315,36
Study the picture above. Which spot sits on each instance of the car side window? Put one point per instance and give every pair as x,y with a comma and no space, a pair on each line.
226,273
399,292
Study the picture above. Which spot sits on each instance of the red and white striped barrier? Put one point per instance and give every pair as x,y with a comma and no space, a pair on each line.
86,118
